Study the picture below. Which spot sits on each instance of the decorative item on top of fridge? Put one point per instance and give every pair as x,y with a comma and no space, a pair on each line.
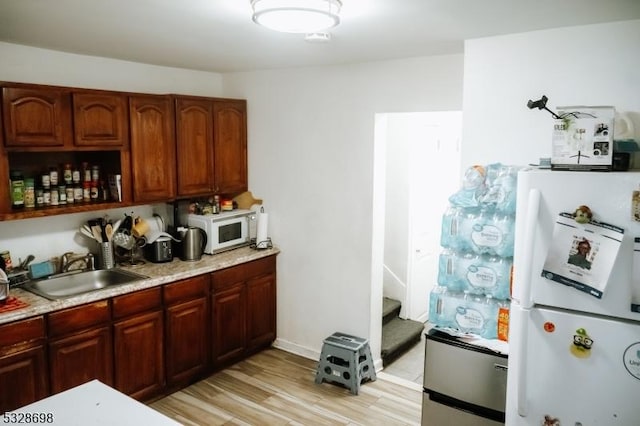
474,272
583,137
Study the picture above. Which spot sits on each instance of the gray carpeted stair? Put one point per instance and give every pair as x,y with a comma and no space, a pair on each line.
398,335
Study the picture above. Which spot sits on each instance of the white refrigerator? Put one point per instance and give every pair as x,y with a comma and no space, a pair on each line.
574,331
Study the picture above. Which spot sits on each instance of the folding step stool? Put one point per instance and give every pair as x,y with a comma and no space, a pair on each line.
346,360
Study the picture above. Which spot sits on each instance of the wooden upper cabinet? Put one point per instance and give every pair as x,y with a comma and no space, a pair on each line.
153,148
230,146
36,117
100,119
194,142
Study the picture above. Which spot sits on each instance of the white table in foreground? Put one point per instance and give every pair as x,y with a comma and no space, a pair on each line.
92,403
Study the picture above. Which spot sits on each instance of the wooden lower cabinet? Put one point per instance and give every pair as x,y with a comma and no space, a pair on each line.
261,311
138,344
80,346
80,358
244,310
23,367
146,343
229,336
186,331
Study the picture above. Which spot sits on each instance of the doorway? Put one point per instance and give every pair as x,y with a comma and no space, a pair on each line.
417,169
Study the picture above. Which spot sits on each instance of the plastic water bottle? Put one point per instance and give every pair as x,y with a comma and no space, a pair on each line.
470,223
466,266
505,225
449,235
490,329
448,266
489,275
467,318
501,190
437,298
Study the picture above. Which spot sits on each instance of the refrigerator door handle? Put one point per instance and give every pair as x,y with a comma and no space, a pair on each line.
521,350
524,275
500,367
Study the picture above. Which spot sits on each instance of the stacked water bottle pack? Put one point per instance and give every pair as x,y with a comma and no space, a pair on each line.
477,238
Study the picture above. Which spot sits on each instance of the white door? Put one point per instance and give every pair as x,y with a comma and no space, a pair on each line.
576,370
434,166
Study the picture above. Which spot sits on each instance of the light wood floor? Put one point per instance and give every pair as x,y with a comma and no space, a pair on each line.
275,387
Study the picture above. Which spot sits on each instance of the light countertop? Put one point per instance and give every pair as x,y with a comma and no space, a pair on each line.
158,273
92,403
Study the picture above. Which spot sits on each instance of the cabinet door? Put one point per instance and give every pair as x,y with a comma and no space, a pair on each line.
194,140
100,119
23,378
139,360
36,117
230,146
80,358
229,324
261,311
186,341
153,149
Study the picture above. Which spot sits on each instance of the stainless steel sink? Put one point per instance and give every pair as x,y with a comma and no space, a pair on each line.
75,283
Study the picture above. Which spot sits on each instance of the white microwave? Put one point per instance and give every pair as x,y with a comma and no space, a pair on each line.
226,230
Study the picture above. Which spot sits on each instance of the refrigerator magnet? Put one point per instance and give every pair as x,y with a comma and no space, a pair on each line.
581,345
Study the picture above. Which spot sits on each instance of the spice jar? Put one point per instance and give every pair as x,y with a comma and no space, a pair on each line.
95,173
86,172
29,193
17,189
53,175
39,197
75,175
70,194
55,196
67,174
46,197
46,182
62,194
77,193
86,191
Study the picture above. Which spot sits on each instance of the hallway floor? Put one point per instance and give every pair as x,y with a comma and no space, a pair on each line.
409,366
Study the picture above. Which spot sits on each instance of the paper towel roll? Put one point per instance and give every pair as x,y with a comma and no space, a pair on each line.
262,236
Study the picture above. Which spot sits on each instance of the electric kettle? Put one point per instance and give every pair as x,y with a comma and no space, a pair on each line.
193,242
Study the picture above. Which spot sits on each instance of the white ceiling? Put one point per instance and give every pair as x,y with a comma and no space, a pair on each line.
219,36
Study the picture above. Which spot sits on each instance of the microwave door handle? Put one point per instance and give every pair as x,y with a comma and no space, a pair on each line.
204,238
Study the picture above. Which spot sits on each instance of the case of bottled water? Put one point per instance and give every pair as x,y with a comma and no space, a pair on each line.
478,230
479,274
469,313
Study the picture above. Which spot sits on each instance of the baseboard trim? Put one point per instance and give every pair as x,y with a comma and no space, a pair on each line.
296,349
309,353
399,381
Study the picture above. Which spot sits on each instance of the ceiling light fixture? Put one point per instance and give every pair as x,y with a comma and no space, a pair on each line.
297,16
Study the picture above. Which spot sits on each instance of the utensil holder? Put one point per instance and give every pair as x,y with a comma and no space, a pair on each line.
106,258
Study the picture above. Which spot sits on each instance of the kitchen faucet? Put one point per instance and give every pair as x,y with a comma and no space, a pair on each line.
67,260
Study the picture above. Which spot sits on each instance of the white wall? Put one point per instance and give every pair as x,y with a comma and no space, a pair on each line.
311,157
586,65
33,65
